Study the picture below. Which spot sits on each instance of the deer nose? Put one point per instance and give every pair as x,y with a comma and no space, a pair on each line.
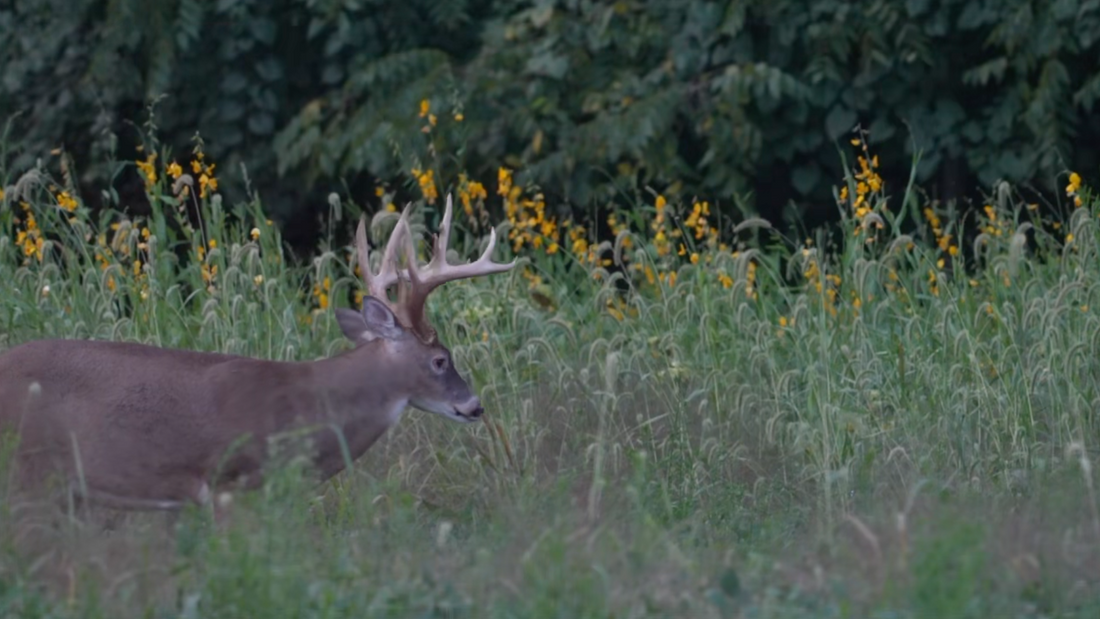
471,408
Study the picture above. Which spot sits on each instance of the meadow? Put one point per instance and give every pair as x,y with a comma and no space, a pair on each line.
686,414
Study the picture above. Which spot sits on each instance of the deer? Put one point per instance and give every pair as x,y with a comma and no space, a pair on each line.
139,427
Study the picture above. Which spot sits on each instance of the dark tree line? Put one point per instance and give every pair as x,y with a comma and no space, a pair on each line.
743,103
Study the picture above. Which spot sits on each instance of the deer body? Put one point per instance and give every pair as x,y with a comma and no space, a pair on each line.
140,427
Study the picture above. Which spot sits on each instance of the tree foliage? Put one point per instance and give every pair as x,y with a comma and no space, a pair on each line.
737,101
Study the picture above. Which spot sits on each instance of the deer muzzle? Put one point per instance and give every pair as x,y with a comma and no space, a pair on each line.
470,409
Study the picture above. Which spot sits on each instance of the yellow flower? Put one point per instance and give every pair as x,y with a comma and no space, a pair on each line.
66,201
426,180
148,169
459,117
425,107
783,321
694,258
213,243
207,183
255,234
504,181
174,170
1074,183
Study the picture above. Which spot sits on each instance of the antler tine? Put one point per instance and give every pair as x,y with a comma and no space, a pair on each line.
438,272
378,283
362,251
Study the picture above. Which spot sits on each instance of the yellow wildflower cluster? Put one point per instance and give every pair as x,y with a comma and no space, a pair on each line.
530,225
1073,189
426,112
148,170
207,268
471,193
825,285
121,250
66,201
697,220
30,237
660,225
321,294
868,184
579,245
426,180
208,183
993,225
944,241
618,227
698,224
578,241
750,280
203,171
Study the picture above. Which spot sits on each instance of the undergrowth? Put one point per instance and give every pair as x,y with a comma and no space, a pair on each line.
686,415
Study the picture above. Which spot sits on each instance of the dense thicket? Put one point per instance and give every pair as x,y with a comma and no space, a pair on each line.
737,101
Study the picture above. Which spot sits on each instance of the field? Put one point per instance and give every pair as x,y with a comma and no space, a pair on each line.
687,415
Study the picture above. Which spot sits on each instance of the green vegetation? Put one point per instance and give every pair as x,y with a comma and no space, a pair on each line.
700,417
732,100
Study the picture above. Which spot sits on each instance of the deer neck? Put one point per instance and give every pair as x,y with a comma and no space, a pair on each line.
360,386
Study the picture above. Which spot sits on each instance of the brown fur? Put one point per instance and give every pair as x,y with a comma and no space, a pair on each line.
140,427
146,427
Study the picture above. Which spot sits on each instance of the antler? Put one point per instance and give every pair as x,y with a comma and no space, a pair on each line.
438,272
414,284
379,283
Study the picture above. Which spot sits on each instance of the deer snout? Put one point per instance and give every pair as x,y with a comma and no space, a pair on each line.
470,409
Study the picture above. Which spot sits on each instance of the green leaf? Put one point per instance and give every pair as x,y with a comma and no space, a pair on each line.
805,178
840,121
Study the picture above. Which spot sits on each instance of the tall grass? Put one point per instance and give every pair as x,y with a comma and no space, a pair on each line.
895,419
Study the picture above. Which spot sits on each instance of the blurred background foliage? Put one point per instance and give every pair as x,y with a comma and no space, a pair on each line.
737,102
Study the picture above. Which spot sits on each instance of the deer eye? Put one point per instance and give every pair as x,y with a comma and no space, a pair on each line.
439,364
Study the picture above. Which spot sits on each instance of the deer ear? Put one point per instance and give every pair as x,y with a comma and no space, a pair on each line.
375,321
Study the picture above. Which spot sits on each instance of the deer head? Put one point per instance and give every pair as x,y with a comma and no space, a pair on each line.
400,329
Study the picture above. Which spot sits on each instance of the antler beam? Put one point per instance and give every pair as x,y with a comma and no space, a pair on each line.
414,284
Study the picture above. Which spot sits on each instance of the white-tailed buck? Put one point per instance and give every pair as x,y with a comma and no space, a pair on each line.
139,427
